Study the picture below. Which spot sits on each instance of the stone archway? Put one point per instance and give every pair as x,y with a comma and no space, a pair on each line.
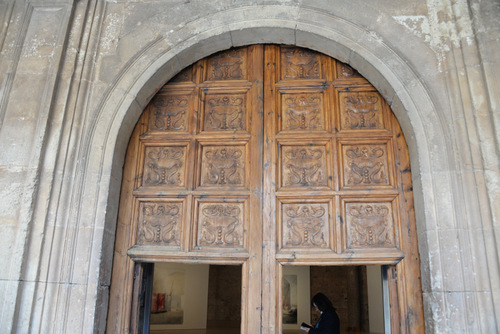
128,96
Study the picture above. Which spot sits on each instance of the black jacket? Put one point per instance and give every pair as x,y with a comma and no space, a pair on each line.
328,323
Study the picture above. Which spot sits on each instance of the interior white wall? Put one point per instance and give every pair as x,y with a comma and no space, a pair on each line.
195,298
303,294
375,299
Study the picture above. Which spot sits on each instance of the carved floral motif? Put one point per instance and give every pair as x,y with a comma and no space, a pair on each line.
223,165
300,64
302,112
370,225
305,225
227,65
366,165
224,112
221,225
169,113
159,223
304,166
164,166
361,111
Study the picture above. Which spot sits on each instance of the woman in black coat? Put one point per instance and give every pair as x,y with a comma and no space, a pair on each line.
329,322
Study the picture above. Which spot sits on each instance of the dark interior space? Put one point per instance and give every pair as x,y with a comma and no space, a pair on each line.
224,297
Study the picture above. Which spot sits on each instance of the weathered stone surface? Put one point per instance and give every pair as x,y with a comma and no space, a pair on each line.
76,75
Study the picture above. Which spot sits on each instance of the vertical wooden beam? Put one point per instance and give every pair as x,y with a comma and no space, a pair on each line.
269,284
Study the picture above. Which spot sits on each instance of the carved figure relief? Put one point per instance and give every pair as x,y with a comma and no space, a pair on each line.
225,112
304,166
221,225
164,166
299,64
159,223
302,112
305,225
169,113
223,165
370,225
361,111
228,65
365,165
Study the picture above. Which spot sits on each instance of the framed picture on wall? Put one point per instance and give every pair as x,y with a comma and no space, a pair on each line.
295,301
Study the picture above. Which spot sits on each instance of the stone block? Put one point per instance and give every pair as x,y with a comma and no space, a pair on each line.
278,32
434,312
322,40
433,271
475,261
81,260
72,319
11,192
202,45
454,312
8,235
106,264
26,303
483,318
101,310
451,260
425,264
443,191
8,290
56,255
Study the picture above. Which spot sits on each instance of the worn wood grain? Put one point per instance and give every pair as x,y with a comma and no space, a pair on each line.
265,156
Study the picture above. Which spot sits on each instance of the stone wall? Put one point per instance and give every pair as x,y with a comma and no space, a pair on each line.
76,75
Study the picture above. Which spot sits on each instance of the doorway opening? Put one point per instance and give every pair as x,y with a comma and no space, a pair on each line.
183,298
358,294
206,298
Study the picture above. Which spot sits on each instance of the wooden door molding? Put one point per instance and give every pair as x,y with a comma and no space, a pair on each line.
267,156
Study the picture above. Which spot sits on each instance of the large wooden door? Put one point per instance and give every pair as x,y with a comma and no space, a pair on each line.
267,156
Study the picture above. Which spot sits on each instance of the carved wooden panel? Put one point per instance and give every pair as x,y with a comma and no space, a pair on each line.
345,71
305,225
302,112
160,223
300,64
304,166
235,162
220,224
365,165
223,165
225,112
228,65
360,110
170,112
164,166
369,224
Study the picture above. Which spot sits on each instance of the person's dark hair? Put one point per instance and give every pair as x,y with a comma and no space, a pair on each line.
322,302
